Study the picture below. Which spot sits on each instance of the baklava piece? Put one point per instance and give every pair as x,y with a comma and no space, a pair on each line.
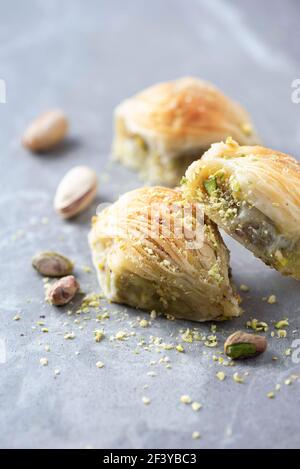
253,193
161,130
153,252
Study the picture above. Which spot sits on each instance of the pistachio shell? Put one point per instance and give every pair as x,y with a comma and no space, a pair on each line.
46,131
63,291
52,264
244,345
76,191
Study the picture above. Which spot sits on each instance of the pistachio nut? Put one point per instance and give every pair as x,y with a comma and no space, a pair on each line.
52,264
244,345
62,291
76,191
47,131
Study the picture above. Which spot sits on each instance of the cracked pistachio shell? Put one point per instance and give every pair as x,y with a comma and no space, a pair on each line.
244,345
76,191
63,291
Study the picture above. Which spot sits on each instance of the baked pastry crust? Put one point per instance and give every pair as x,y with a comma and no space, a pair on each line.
162,129
160,270
253,193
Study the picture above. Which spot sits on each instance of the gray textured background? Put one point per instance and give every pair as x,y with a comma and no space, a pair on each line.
86,56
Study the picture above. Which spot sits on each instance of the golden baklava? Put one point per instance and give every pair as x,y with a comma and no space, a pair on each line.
162,129
153,251
253,193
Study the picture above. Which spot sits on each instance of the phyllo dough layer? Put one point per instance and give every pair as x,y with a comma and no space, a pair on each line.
253,193
158,269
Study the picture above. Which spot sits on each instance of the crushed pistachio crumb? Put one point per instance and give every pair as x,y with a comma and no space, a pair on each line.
144,323
282,324
44,361
153,314
185,399
196,406
69,336
281,333
211,341
258,326
179,348
102,316
291,380
99,335
187,336
221,375
238,378
146,400
272,299
121,335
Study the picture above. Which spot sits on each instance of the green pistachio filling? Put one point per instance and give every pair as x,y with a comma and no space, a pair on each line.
211,185
246,222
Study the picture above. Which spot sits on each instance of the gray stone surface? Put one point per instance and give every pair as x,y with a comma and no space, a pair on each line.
85,57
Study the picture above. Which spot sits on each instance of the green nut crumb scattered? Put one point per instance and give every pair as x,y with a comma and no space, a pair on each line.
238,378
99,335
69,336
144,323
179,348
146,400
220,375
44,361
185,399
282,324
258,326
196,406
272,299
121,335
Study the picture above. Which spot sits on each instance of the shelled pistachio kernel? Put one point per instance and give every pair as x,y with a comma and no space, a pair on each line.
243,345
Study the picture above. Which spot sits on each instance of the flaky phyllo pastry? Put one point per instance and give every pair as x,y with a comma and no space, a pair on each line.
253,193
144,260
161,130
